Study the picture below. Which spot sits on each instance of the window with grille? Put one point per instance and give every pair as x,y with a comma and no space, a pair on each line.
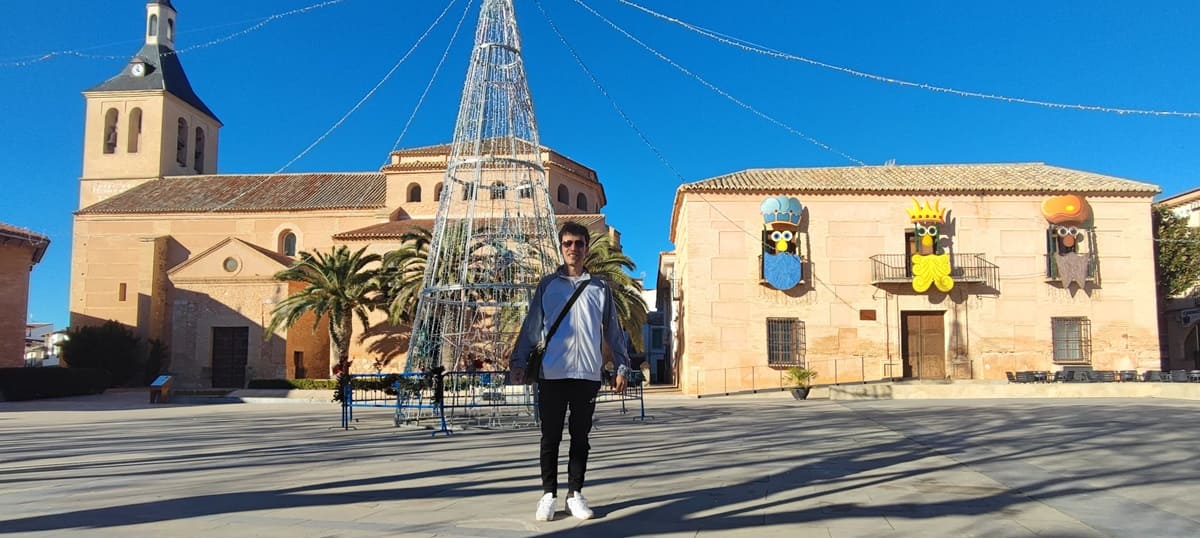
785,342
1072,340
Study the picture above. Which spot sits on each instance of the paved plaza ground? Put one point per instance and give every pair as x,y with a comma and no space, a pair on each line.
763,465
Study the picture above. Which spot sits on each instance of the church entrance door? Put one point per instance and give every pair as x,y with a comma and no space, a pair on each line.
229,350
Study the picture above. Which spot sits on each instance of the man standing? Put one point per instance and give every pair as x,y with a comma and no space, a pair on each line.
570,376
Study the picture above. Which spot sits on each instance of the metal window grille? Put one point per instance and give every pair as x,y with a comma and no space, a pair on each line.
1072,340
785,342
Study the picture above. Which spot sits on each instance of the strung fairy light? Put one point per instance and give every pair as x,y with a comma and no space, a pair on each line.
350,112
720,91
80,54
759,49
754,237
433,78
378,85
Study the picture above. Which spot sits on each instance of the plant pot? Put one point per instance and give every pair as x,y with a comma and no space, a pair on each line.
800,393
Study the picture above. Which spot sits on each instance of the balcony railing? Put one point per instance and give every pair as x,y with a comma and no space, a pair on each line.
966,267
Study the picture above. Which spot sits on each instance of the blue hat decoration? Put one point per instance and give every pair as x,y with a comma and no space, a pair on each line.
781,209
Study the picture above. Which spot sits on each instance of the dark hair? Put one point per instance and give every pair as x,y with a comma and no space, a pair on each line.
575,228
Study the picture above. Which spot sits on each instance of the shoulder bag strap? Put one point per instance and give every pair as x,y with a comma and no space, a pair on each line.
567,308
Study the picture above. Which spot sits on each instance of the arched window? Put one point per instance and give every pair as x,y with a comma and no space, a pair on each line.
498,191
581,202
468,191
564,197
199,156
437,193
170,29
181,136
135,130
153,30
525,191
287,243
110,130
414,193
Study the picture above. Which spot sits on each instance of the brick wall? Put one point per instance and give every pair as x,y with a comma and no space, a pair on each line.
14,302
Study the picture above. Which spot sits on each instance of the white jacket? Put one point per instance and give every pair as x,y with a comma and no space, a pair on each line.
574,352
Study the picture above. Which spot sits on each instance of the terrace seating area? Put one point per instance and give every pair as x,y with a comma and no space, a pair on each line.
1080,375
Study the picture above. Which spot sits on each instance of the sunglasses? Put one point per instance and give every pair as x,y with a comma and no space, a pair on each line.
571,243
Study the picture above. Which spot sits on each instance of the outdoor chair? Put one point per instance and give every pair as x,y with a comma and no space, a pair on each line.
1061,377
1024,377
1127,375
1154,375
1106,376
1179,376
1012,378
1194,376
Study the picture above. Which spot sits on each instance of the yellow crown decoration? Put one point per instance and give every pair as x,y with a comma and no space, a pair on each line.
926,212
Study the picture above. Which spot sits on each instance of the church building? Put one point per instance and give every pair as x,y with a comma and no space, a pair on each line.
165,245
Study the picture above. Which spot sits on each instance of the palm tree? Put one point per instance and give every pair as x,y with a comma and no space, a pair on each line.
338,286
610,264
400,279
402,274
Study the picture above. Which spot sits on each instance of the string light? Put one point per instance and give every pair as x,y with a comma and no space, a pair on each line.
723,93
436,71
348,113
756,238
258,26
759,49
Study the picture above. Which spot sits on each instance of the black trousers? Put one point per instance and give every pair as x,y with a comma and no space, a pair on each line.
555,397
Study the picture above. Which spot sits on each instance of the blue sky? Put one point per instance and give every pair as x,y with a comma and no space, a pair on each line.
277,88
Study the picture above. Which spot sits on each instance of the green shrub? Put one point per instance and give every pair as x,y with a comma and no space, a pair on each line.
111,346
156,358
294,384
34,383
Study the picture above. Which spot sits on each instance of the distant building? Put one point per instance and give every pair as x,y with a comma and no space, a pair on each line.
654,338
929,272
1181,315
36,345
20,250
165,245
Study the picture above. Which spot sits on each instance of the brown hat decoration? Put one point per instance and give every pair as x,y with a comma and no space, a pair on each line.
1068,208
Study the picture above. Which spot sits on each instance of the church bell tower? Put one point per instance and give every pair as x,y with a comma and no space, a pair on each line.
146,122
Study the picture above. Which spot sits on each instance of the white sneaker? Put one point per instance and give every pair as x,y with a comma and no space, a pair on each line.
545,509
578,506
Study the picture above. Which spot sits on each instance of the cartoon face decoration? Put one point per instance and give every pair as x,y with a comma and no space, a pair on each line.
927,220
782,241
1067,215
929,266
781,264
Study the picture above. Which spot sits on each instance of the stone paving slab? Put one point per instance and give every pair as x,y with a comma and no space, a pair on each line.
762,466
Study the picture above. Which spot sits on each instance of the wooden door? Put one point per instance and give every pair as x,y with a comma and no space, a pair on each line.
924,346
229,351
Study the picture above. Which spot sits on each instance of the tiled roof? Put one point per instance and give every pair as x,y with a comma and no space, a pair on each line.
933,178
248,193
163,72
23,236
393,229
1181,199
